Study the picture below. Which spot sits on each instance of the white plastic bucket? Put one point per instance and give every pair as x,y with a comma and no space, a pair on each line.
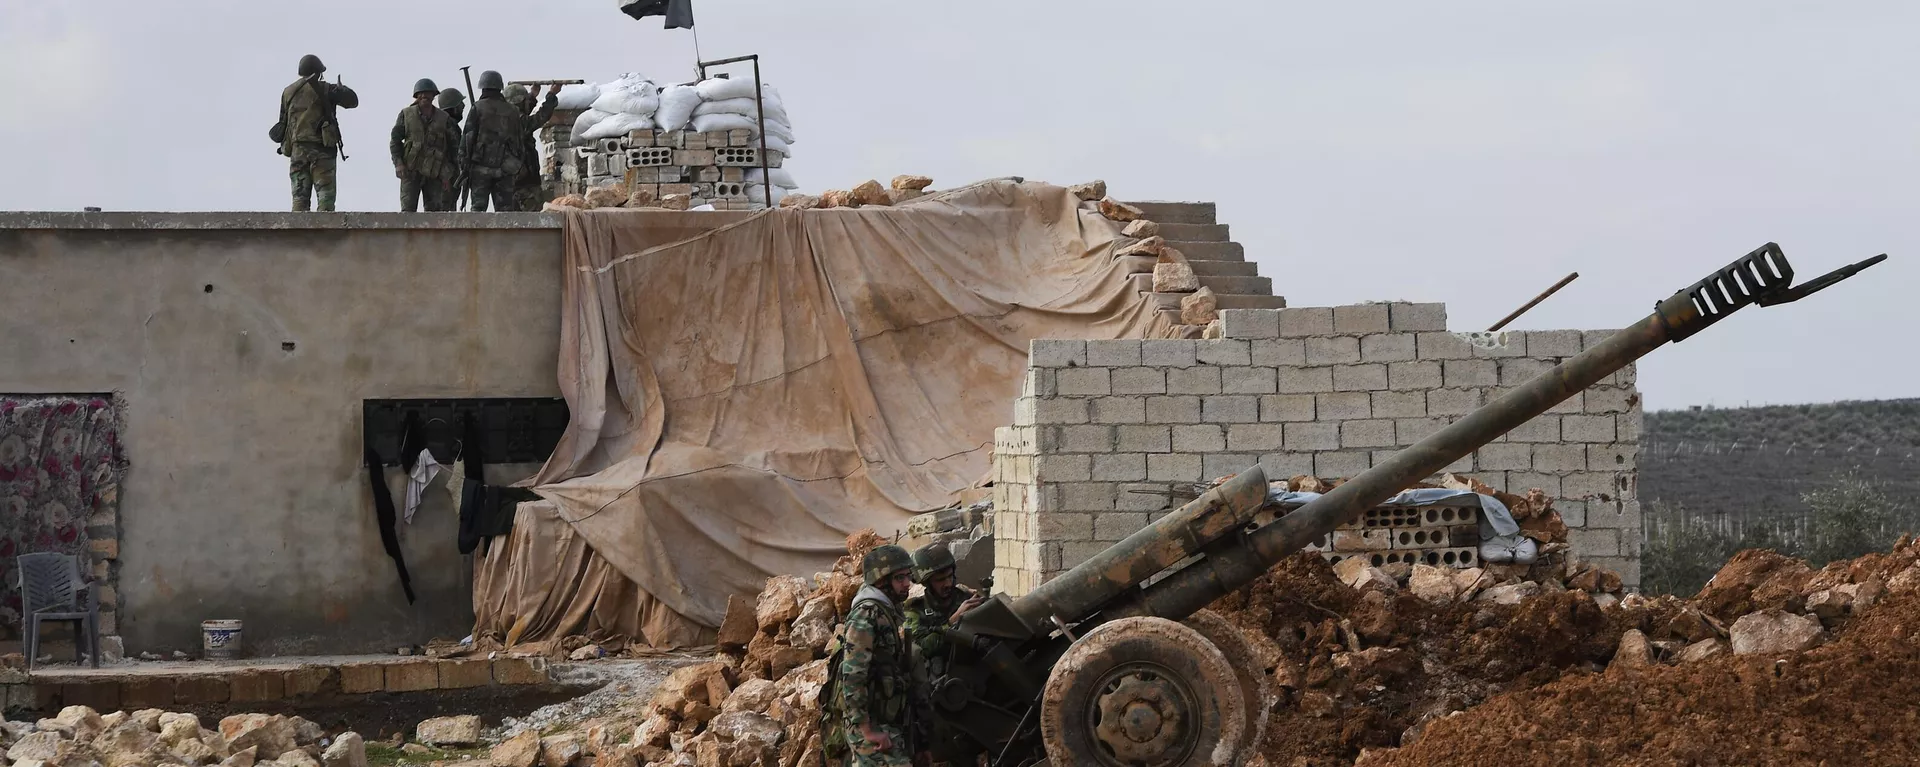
219,639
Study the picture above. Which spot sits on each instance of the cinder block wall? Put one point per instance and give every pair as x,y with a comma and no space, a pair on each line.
1104,427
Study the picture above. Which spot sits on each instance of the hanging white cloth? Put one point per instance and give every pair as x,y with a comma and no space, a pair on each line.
423,473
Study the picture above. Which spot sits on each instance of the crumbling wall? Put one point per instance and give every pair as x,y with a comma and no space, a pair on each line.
1104,428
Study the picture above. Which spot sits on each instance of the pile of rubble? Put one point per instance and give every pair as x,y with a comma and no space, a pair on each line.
866,193
81,737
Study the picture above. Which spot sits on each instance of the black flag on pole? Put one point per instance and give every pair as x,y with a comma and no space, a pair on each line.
679,13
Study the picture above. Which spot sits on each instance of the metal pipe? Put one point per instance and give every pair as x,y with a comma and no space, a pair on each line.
1535,302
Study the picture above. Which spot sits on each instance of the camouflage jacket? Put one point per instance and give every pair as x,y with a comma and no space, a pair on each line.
492,143
877,681
926,615
309,112
424,141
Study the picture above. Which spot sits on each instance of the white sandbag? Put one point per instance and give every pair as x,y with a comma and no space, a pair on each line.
758,193
744,107
776,144
730,121
631,94
677,103
586,121
578,96
781,178
618,125
717,89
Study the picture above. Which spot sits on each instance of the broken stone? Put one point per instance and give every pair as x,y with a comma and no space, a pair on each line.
1433,584
1355,572
273,735
754,695
1702,650
297,758
589,652
45,745
518,751
869,192
558,750
1199,307
780,600
460,730
1868,592
813,629
246,757
687,684
755,732
1214,330
175,728
1633,652
783,660
1172,255
112,720
1150,246
1510,594
1398,571
1119,211
306,732
640,198
76,722
565,201
739,626
1140,228
1090,191
657,729
1468,582
676,201
609,196
913,183
1692,625
836,198
1830,604
193,752
1775,631
799,201
127,744
897,196
348,750
1175,278
1604,601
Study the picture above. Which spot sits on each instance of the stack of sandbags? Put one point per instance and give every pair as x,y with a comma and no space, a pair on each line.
725,104
618,108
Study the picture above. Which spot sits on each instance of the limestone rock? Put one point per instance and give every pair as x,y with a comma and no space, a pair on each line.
565,201
1172,255
754,731
912,183
1832,603
1702,650
77,722
518,751
800,201
676,201
1141,228
687,684
1694,626
1469,582
559,750
1400,572
739,625
1213,331
589,652
1149,246
1510,594
1355,572
1090,191
460,730
1119,211
175,728
1633,653
192,751
897,196
656,730
641,197
1432,584
297,758
784,660
836,198
780,601
1868,592
1197,308
869,192
45,746
1775,631
273,735
348,750
1174,278
754,695
814,628
306,733
127,744
609,196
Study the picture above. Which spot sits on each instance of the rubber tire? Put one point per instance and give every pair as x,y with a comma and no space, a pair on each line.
1256,696
1067,731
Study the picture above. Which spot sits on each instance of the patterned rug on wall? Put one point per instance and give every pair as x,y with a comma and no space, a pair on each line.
60,469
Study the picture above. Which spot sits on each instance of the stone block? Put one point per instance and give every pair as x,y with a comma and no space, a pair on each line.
258,686
1543,428
1559,457
410,676
1141,497
359,678
1230,408
1278,352
1250,323
1398,404
1413,376
1114,353
1342,463
1387,347
1417,317
1361,540
1603,485
1587,428
1120,467
1286,465
308,680
1366,433
1223,351
1287,407
1168,352
1460,374
1452,401
1610,400
1628,425
1173,409
1360,319
1553,343
1574,404
1590,542
1083,382
1075,552
148,692
1613,457
1139,380
1063,468
1040,382
1078,439
1303,437
1254,437
99,696
1465,464
1059,410
1333,350
1120,410
1519,370
1306,321
1087,496
1442,346
1407,431
1223,464
1194,380
1506,456
1202,438
1064,526
1572,513
1359,378
1247,380
197,690
1511,343
1117,525
1342,406
1025,411
1057,353
1173,467
693,157
1305,380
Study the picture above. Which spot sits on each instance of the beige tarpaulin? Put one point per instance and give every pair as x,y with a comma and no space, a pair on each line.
744,398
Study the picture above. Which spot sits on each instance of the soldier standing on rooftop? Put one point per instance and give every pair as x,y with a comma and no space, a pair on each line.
309,134
490,145
424,150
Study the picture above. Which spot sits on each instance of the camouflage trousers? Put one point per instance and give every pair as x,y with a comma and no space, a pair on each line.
500,190
311,170
414,188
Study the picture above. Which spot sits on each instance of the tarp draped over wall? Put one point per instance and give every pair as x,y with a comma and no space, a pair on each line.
743,399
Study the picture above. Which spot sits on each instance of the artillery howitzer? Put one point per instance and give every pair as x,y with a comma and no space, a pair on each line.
1117,662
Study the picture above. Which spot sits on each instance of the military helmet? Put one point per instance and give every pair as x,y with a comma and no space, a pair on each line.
516,94
930,559
882,562
450,98
310,65
425,85
491,80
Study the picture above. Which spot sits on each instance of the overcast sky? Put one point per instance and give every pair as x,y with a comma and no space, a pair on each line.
1465,152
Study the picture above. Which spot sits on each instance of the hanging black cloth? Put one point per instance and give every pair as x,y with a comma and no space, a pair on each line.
413,439
485,510
384,515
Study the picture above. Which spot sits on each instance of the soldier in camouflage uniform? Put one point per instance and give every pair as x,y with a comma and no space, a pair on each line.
455,105
490,146
311,140
424,150
942,604
879,696
526,190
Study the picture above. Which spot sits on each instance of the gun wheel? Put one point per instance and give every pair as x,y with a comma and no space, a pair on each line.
1255,686
1143,692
